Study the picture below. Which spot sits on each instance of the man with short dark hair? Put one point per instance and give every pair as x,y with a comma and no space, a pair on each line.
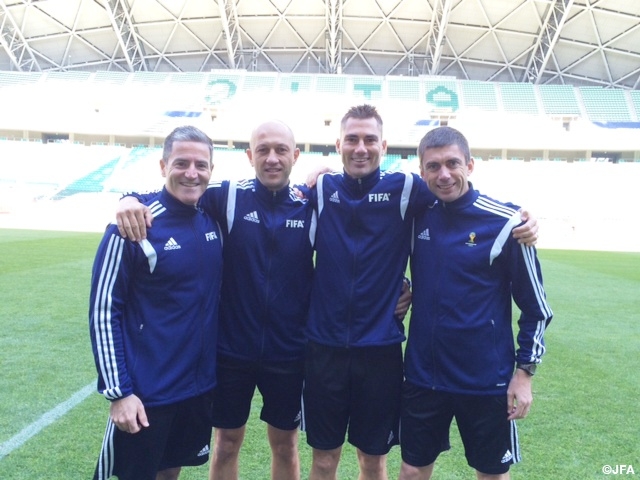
153,324
460,360
354,357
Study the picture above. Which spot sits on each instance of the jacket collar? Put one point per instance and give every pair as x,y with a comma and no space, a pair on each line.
360,186
270,196
174,205
464,201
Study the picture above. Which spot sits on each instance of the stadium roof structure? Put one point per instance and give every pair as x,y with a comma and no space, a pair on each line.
575,42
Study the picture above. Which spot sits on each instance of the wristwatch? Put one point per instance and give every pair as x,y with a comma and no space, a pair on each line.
530,368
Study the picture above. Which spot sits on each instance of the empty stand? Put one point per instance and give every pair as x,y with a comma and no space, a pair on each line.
368,88
518,98
259,82
295,83
635,102
105,107
11,79
559,100
335,84
479,95
403,89
605,105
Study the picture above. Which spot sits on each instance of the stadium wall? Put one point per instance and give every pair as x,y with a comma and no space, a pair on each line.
70,144
580,205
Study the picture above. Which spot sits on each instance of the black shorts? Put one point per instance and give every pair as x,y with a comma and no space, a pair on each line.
279,383
354,390
178,435
490,439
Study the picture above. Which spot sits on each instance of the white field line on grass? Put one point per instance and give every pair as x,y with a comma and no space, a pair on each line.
45,420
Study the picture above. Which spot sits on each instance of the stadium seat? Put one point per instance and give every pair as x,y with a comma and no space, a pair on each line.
559,100
518,98
479,95
605,105
403,89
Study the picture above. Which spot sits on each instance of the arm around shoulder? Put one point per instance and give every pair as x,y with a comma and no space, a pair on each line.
527,233
133,218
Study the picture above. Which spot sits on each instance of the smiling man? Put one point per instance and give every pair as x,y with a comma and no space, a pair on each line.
268,266
152,303
273,153
361,145
460,359
353,373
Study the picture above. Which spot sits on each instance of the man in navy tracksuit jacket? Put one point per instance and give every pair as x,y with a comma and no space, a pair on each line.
460,354
362,243
268,267
153,323
353,371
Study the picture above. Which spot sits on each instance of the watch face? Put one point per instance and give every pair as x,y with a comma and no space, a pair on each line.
530,368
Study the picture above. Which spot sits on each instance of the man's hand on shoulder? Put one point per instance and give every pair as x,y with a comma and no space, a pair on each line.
528,232
313,175
133,218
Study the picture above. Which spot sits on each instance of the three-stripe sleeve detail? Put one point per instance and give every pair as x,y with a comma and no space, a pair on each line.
106,461
102,311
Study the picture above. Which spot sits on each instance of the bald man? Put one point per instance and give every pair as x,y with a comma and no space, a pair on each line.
268,266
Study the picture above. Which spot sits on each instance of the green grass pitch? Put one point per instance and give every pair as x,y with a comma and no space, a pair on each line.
585,414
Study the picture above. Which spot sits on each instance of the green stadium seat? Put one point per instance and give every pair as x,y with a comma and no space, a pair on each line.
258,82
336,84
403,89
441,94
188,78
297,83
148,78
559,100
369,88
478,95
117,78
10,79
67,77
605,105
635,102
518,98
